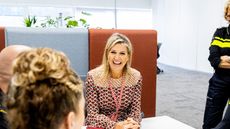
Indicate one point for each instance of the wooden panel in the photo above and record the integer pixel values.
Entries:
(2, 38)
(144, 59)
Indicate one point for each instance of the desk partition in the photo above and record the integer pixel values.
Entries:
(85, 47)
(73, 42)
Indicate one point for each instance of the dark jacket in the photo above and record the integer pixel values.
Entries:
(225, 123)
(3, 120)
(220, 46)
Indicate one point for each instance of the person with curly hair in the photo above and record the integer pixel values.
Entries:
(45, 92)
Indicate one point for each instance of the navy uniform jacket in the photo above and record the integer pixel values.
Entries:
(220, 46)
(3, 120)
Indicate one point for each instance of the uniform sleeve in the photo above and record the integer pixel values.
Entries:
(94, 119)
(214, 50)
(3, 120)
(136, 104)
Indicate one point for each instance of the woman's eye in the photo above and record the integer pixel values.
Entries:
(113, 52)
(122, 53)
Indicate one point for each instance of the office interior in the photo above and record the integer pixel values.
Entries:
(184, 27)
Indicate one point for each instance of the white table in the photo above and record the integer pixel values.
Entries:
(163, 122)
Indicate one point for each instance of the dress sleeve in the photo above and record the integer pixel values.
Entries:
(214, 50)
(94, 119)
(136, 104)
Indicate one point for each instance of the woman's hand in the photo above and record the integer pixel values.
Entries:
(129, 123)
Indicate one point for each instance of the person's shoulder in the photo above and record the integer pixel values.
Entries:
(95, 71)
(134, 77)
(220, 31)
(135, 73)
(221, 28)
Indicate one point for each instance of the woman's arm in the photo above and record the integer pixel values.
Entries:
(93, 118)
(214, 49)
(136, 104)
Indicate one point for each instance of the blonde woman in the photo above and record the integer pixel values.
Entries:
(47, 94)
(113, 90)
(219, 85)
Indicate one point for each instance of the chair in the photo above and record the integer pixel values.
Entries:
(158, 55)
(144, 60)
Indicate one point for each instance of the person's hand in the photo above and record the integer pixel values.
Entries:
(129, 123)
(132, 123)
(225, 62)
(225, 58)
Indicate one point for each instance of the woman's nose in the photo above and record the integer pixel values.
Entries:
(117, 56)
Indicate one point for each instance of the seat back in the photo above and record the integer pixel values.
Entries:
(144, 59)
(2, 38)
(73, 42)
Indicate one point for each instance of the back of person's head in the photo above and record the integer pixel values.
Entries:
(7, 55)
(47, 94)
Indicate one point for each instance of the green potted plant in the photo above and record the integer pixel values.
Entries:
(72, 22)
(29, 21)
(49, 22)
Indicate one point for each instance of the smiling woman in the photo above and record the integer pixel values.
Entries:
(113, 90)
(117, 59)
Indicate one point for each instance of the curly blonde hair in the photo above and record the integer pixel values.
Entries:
(227, 5)
(45, 89)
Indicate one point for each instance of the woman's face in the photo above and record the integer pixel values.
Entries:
(228, 15)
(118, 57)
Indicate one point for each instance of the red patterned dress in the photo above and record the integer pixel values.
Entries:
(101, 104)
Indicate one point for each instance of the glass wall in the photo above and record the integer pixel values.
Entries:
(105, 18)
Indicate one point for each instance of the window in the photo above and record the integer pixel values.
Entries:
(99, 18)
(134, 19)
(95, 17)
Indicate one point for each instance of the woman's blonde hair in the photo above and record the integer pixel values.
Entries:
(117, 38)
(45, 89)
(227, 5)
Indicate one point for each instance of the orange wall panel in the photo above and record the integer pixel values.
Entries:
(144, 59)
(2, 38)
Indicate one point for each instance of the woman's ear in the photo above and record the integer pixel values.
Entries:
(71, 121)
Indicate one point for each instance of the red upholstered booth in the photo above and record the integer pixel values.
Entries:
(144, 59)
(2, 38)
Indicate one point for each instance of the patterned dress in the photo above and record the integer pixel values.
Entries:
(101, 104)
